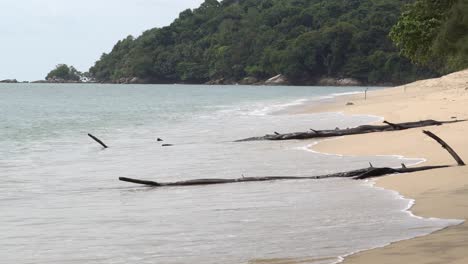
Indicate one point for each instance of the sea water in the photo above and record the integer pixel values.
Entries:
(61, 201)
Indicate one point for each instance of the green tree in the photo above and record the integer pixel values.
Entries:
(64, 72)
(434, 33)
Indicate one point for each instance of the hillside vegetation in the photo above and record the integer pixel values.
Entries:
(302, 39)
(434, 33)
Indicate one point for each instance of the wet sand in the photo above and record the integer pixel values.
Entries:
(438, 193)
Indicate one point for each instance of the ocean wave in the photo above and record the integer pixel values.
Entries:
(271, 108)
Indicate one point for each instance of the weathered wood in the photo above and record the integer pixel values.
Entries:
(360, 174)
(445, 146)
(379, 172)
(149, 183)
(351, 131)
(98, 141)
(395, 126)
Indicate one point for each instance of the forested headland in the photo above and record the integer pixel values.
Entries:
(233, 41)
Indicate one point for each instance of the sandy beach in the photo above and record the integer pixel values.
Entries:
(439, 193)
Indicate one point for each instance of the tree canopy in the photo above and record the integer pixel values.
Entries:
(434, 33)
(234, 39)
(64, 72)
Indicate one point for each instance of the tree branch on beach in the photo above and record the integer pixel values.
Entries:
(360, 174)
(365, 129)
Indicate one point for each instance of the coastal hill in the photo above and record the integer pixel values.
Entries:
(247, 41)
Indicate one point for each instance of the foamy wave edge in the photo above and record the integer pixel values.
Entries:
(279, 107)
(397, 195)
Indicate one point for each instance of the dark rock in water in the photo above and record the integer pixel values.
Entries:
(159, 140)
(9, 81)
(167, 145)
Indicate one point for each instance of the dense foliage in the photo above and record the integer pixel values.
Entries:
(64, 72)
(234, 39)
(434, 33)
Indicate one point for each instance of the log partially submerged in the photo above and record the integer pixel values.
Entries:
(351, 131)
(359, 174)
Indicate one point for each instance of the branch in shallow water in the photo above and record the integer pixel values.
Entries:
(98, 141)
(360, 174)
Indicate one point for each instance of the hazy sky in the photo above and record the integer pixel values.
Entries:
(35, 35)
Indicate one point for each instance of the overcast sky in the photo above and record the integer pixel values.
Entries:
(35, 35)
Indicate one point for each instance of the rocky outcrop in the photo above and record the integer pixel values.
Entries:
(249, 81)
(9, 81)
(277, 80)
(339, 82)
(60, 80)
(221, 81)
(131, 80)
(56, 80)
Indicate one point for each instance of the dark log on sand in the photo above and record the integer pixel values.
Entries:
(359, 174)
(351, 131)
(445, 146)
(98, 141)
(395, 126)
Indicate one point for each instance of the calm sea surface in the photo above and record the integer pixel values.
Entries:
(61, 201)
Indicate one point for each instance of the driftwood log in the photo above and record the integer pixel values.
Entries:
(452, 152)
(351, 131)
(359, 174)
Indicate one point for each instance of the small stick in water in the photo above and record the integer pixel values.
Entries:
(159, 140)
(98, 141)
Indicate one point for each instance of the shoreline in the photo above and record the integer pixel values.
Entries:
(373, 183)
(435, 196)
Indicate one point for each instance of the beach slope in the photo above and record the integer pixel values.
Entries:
(438, 193)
